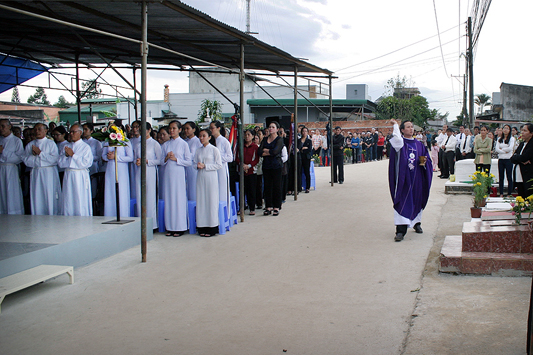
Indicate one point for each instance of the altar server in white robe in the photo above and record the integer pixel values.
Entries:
(190, 130)
(124, 157)
(176, 156)
(42, 156)
(76, 158)
(135, 138)
(60, 136)
(11, 152)
(224, 147)
(207, 162)
(163, 137)
(153, 160)
(96, 149)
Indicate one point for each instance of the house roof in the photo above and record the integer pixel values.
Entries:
(27, 32)
(304, 102)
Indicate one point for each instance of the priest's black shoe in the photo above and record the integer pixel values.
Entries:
(418, 228)
(398, 237)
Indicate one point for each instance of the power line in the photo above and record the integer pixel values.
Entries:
(399, 61)
(440, 42)
(394, 51)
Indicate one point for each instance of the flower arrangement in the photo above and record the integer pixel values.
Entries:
(520, 206)
(114, 136)
(482, 182)
(316, 159)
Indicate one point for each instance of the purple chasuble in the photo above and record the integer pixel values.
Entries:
(408, 181)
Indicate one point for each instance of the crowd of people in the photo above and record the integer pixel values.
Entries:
(49, 170)
(504, 143)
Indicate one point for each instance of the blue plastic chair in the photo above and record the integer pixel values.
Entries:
(133, 207)
(223, 220)
(192, 217)
(233, 212)
(161, 216)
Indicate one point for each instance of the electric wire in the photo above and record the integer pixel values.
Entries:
(394, 51)
(440, 42)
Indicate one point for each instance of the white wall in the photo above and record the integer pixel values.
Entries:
(154, 110)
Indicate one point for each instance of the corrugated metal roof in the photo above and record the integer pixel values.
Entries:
(171, 24)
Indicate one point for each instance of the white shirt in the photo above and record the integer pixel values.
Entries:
(465, 146)
(450, 143)
(505, 151)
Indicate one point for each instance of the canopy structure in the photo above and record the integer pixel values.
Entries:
(173, 27)
(15, 71)
(136, 34)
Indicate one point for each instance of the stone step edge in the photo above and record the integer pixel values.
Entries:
(453, 260)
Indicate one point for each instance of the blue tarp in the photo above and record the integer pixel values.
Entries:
(15, 71)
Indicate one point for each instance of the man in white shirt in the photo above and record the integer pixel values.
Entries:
(461, 136)
(448, 147)
(11, 152)
(440, 140)
(465, 147)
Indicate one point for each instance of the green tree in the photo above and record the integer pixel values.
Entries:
(62, 102)
(397, 83)
(90, 89)
(39, 97)
(481, 100)
(15, 95)
(215, 110)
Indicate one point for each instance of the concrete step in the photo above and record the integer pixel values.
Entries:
(454, 260)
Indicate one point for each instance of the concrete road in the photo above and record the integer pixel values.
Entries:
(324, 277)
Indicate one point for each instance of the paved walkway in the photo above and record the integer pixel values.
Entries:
(324, 277)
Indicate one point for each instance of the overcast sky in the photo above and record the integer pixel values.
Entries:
(354, 39)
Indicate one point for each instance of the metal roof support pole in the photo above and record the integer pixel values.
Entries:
(78, 98)
(241, 135)
(134, 95)
(330, 148)
(295, 133)
(144, 64)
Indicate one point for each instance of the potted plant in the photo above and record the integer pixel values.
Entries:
(479, 192)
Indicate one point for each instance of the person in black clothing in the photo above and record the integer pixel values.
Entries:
(295, 159)
(270, 149)
(338, 156)
(523, 158)
(306, 152)
(375, 138)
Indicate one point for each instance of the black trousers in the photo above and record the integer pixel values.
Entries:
(380, 152)
(441, 162)
(505, 167)
(338, 164)
(250, 190)
(284, 186)
(449, 163)
(306, 169)
(259, 191)
(272, 181)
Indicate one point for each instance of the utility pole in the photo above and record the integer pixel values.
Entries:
(248, 16)
(470, 57)
(248, 32)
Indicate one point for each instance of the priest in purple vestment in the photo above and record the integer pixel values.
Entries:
(410, 173)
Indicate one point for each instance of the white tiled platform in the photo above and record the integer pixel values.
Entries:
(463, 170)
(29, 241)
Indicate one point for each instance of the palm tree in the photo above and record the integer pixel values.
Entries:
(481, 100)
